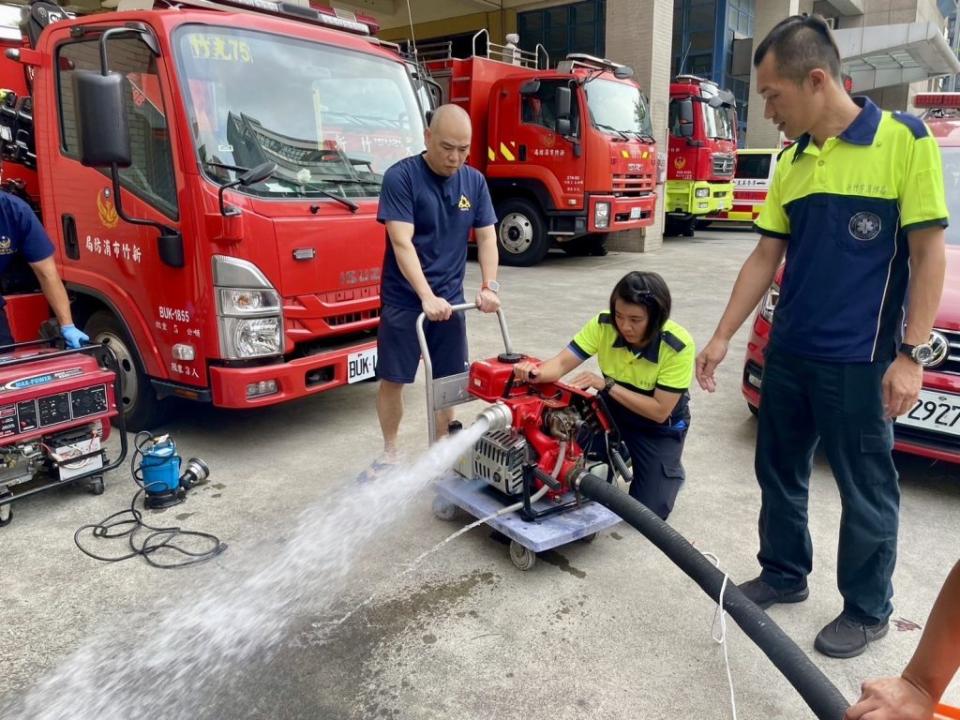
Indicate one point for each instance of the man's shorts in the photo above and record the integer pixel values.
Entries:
(398, 350)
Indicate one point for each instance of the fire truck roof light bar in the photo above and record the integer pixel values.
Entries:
(694, 79)
(937, 100)
(338, 21)
(591, 61)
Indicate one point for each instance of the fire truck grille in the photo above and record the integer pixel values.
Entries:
(354, 317)
(723, 165)
(627, 185)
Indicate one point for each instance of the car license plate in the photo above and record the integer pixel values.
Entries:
(362, 365)
(635, 213)
(935, 411)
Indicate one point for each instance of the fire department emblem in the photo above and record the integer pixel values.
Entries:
(865, 226)
(464, 204)
(6, 245)
(106, 210)
(679, 162)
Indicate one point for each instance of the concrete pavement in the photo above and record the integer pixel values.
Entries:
(607, 630)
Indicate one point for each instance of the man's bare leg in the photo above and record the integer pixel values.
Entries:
(390, 413)
(444, 418)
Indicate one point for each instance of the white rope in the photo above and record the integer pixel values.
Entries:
(720, 621)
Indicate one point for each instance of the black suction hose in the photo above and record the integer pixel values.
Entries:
(816, 690)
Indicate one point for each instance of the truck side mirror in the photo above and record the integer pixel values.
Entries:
(256, 174)
(563, 126)
(564, 99)
(624, 72)
(102, 129)
(686, 129)
(685, 126)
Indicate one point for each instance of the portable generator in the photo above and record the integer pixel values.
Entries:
(55, 413)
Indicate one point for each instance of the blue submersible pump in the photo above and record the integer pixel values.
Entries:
(159, 471)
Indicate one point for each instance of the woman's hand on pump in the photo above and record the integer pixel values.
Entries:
(586, 380)
(527, 371)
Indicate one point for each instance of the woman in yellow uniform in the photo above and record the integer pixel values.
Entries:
(646, 361)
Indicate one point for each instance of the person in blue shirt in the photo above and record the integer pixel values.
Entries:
(429, 204)
(21, 232)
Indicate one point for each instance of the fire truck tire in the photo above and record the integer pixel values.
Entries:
(6, 514)
(755, 411)
(521, 233)
(142, 409)
(687, 228)
(522, 557)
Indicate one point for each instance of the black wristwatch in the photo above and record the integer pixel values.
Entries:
(920, 354)
(608, 385)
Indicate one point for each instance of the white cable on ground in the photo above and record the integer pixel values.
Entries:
(720, 619)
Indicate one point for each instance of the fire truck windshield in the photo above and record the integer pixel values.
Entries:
(718, 122)
(951, 179)
(333, 120)
(618, 107)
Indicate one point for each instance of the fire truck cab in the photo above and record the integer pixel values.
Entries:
(209, 174)
(702, 153)
(568, 153)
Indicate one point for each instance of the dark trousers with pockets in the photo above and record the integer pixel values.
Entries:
(841, 405)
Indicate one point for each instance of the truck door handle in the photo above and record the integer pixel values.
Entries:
(70, 241)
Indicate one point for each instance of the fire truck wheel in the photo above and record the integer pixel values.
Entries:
(6, 514)
(754, 410)
(142, 409)
(522, 557)
(521, 233)
(688, 227)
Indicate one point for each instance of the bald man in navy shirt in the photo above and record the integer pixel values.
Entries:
(429, 204)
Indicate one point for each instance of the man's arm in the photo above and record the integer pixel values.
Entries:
(914, 694)
(928, 264)
(488, 257)
(753, 281)
(53, 289)
(401, 238)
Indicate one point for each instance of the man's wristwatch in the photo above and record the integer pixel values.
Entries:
(491, 285)
(608, 385)
(920, 354)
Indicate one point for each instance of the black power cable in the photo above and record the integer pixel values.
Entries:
(128, 523)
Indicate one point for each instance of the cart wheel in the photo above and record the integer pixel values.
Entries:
(95, 486)
(443, 509)
(522, 557)
(587, 539)
(6, 514)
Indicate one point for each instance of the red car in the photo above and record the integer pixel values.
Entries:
(932, 427)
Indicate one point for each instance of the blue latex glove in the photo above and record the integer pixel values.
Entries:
(74, 337)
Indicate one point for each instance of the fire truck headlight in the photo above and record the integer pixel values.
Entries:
(251, 337)
(702, 192)
(601, 215)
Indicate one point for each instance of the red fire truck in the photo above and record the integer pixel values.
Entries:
(568, 153)
(209, 174)
(702, 153)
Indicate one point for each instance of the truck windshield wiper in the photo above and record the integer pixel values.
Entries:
(621, 133)
(333, 196)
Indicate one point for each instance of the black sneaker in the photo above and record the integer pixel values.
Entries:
(764, 595)
(845, 637)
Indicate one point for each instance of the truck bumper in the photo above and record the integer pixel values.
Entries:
(294, 379)
(682, 199)
(625, 213)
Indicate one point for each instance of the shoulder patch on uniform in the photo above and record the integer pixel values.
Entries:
(605, 319)
(915, 124)
(673, 341)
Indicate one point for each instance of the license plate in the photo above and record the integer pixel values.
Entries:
(362, 365)
(934, 411)
(635, 213)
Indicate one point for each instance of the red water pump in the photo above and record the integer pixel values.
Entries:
(544, 443)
